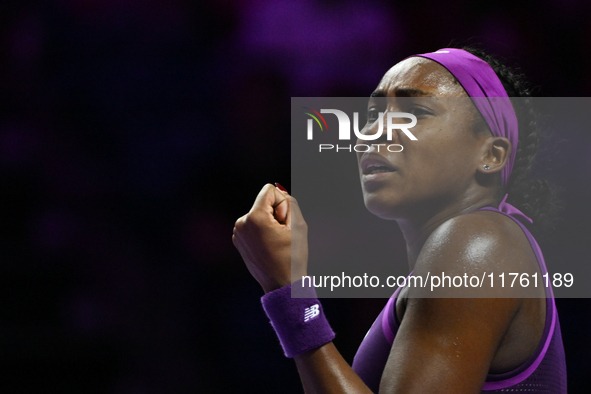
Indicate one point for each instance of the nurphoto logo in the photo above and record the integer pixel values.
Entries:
(345, 129)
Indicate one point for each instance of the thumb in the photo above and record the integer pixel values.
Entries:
(288, 207)
(282, 203)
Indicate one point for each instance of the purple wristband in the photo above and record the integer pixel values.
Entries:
(299, 323)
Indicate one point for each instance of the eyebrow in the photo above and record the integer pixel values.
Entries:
(403, 92)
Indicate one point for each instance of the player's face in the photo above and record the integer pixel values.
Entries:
(439, 167)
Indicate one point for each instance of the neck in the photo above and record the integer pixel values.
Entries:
(417, 230)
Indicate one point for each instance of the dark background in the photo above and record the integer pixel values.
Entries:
(134, 133)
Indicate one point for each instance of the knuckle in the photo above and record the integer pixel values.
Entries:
(268, 187)
(239, 223)
(251, 220)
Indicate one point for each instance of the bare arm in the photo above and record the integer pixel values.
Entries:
(324, 371)
(272, 239)
(443, 345)
(447, 345)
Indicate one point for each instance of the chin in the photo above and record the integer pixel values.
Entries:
(382, 209)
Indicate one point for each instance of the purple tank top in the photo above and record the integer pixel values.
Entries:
(543, 372)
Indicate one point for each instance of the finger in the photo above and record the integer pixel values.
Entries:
(282, 208)
(266, 199)
(272, 202)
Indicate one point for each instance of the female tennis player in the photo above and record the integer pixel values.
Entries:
(462, 203)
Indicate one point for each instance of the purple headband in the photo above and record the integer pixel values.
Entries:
(479, 80)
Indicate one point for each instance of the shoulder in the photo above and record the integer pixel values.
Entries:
(485, 228)
(479, 243)
(475, 238)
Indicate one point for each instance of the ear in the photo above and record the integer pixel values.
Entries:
(495, 155)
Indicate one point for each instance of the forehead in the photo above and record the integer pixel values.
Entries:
(417, 73)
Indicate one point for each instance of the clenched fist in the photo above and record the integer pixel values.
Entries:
(273, 239)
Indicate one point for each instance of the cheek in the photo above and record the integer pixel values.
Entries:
(430, 151)
(441, 157)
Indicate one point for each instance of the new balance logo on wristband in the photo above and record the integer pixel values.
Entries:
(311, 312)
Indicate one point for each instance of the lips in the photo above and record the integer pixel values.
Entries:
(375, 164)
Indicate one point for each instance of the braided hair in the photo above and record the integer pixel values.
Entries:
(533, 196)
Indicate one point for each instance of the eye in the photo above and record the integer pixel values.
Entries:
(373, 114)
(418, 111)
